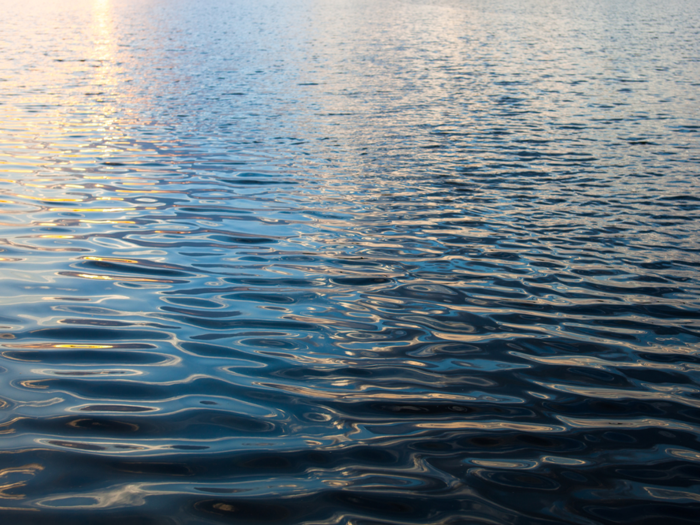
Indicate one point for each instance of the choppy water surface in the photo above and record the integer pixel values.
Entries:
(334, 262)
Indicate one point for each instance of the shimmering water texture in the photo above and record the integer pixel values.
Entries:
(349, 262)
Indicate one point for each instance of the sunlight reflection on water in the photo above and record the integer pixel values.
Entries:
(324, 261)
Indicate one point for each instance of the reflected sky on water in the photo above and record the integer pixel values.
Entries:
(336, 262)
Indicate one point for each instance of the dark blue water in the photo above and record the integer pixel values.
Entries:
(346, 262)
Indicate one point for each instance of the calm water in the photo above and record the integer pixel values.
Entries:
(350, 262)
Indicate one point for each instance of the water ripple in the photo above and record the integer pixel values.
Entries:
(331, 262)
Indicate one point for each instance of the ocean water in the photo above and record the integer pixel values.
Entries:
(350, 262)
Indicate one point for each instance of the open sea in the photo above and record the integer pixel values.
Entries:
(350, 262)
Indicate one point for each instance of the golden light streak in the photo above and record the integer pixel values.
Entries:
(46, 199)
(82, 346)
(121, 278)
(93, 210)
(103, 221)
(111, 259)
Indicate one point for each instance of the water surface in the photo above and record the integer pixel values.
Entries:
(349, 262)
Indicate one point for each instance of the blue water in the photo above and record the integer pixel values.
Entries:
(343, 262)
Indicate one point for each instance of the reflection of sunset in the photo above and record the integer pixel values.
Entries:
(103, 55)
(102, 25)
(343, 261)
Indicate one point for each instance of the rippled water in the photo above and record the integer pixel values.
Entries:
(350, 262)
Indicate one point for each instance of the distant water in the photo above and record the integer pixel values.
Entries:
(350, 262)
